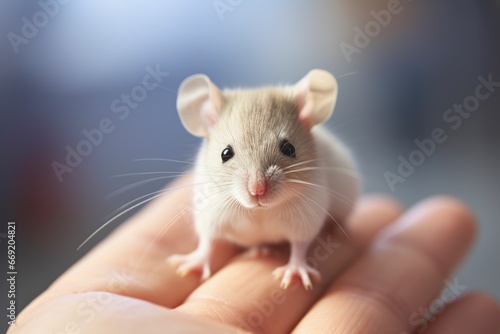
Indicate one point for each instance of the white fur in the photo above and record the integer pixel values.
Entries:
(298, 219)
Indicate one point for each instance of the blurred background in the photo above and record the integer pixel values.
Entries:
(69, 68)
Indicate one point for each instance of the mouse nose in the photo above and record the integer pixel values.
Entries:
(257, 188)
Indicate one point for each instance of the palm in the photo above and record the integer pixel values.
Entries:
(393, 265)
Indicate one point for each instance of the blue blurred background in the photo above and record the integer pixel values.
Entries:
(63, 70)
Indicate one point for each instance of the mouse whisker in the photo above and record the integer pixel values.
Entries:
(166, 172)
(189, 207)
(234, 212)
(116, 217)
(165, 228)
(345, 198)
(163, 159)
(159, 235)
(116, 214)
(326, 211)
(225, 206)
(140, 183)
(135, 185)
(176, 218)
(151, 173)
(308, 206)
(300, 163)
(156, 195)
(346, 75)
(216, 188)
(325, 168)
(135, 200)
(230, 206)
(156, 192)
(345, 171)
(304, 221)
(173, 160)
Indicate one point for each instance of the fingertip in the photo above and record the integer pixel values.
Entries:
(442, 216)
(484, 306)
(460, 215)
(474, 312)
(450, 217)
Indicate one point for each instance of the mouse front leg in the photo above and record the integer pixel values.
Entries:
(196, 261)
(297, 266)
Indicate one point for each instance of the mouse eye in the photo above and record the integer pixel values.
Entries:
(287, 148)
(227, 153)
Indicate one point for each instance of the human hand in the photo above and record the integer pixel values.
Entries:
(395, 265)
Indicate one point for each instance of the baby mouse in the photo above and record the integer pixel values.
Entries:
(266, 172)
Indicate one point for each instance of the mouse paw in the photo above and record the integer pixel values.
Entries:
(188, 263)
(287, 272)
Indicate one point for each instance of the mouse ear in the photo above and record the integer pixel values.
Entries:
(199, 103)
(317, 95)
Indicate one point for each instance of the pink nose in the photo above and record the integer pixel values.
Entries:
(257, 188)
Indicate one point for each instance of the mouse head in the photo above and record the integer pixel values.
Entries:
(258, 143)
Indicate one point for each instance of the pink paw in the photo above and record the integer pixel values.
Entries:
(188, 263)
(287, 272)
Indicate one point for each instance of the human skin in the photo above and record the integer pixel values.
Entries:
(395, 263)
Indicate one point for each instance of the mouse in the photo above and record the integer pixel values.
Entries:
(267, 170)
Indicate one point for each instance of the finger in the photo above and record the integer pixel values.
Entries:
(100, 312)
(474, 313)
(402, 271)
(132, 260)
(243, 293)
